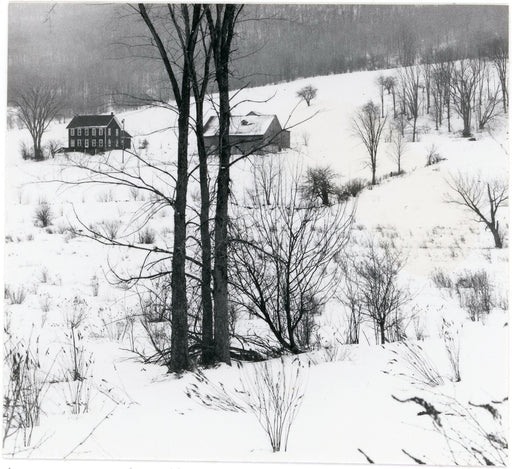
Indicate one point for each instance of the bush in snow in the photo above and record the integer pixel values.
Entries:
(271, 391)
(416, 365)
(17, 295)
(450, 336)
(433, 156)
(43, 215)
(441, 280)
(319, 184)
(108, 229)
(146, 236)
(26, 152)
(474, 290)
(25, 385)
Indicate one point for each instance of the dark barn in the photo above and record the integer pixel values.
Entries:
(253, 133)
(97, 133)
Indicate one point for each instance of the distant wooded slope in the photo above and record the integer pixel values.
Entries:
(94, 51)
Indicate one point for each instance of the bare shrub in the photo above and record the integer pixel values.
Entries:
(134, 193)
(155, 301)
(25, 385)
(45, 303)
(441, 280)
(418, 367)
(53, 146)
(44, 276)
(272, 392)
(319, 184)
(27, 153)
(109, 228)
(382, 297)
(433, 156)
(16, 295)
(95, 285)
(146, 236)
(354, 186)
(76, 360)
(106, 196)
(276, 251)
(43, 215)
(450, 336)
(474, 290)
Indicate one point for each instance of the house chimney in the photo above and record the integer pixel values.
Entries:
(111, 113)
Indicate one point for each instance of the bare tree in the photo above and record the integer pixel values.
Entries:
(222, 21)
(284, 259)
(410, 87)
(398, 149)
(381, 82)
(463, 86)
(308, 93)
(483, 199)
(499, 57)
(350, 297)
(368, 126)
(382, 297)
(37, 105)
(390, 85)
(319, 184)
(487, 98)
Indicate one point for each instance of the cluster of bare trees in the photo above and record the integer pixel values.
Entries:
(371, 292)
(473, 88)
(285, 252)
(194, 45)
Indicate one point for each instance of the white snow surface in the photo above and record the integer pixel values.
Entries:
(348, 402)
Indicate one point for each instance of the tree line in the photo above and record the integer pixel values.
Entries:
(90, 54)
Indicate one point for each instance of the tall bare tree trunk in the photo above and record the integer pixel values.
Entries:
(188, 35)
(221, 33)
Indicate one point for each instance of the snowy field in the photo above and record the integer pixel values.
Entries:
(130, 410)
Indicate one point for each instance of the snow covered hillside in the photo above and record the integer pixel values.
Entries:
(356, 401)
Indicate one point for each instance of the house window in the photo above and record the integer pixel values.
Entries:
(93, 142)
(109, 142)
(79, 132)
(117, 132)
(86, 143)
(72, 143)
(79, 143)
(117, 142)
(72, 132)
(94, 131)
(86, 132)
(109, 131)
(100, 142)
(100, 131)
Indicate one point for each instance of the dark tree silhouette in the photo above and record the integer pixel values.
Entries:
(308, 93)
(368, 126)
(37, 105)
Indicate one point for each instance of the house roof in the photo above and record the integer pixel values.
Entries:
(97, 120)
(252, 124)
(124, 133)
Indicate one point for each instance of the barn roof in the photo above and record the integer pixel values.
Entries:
(97, 120)
(252, 124)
